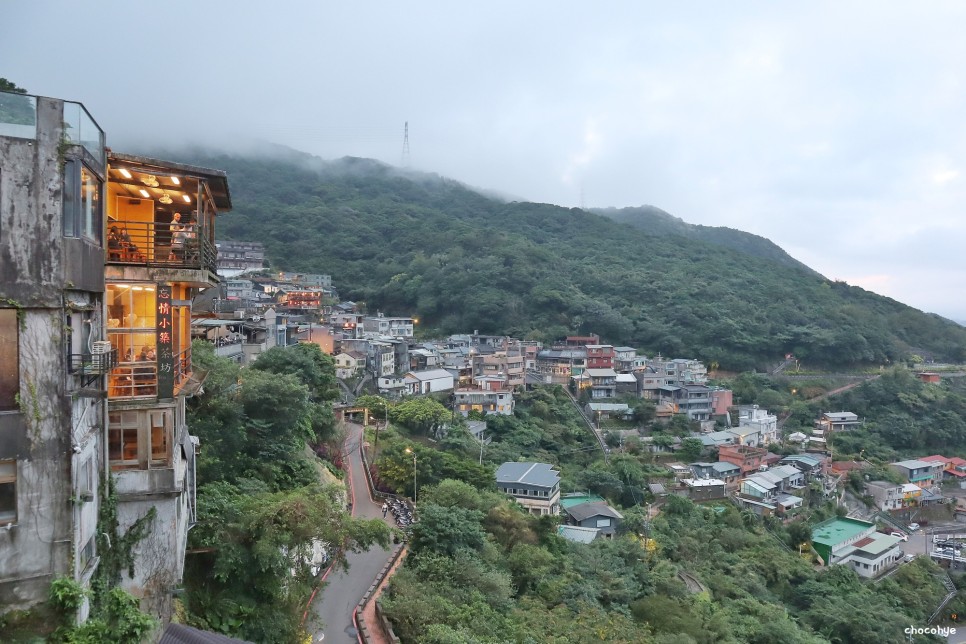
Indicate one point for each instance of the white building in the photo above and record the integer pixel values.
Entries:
(424, 382)
(759, 419)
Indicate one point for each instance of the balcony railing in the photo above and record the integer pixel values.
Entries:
(93, 364)
(139, 379)
(152, 244)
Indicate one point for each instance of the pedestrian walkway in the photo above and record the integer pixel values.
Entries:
(333, 605)
(376, 634)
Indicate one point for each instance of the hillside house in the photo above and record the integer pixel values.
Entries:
(721, 401)
(626, 383)
(954, 469)
(600, 356)
(703, 489)
(595, 515)
(422, 359)
(606, 411)
(691, 400)
(625, 359)
(396, 327)
(602, 383)
(727, 472)
(535, 486)
(424, 382)
(759, 419)
(561, 364)
(892, 496)
(349, 364)
(837, 421)
(487, 402)
(808, 464)
(922, 473)
(748, 459)
(855, 543)
(509, 366)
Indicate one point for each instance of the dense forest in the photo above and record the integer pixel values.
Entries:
(423, 245)
(260, 501)
(481, 569)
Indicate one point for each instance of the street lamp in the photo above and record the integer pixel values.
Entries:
(409, 451)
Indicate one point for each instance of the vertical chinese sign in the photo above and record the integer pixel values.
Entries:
(165, 342)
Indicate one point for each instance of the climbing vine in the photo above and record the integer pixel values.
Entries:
(115, 616)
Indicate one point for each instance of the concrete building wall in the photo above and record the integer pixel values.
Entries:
(55, 435)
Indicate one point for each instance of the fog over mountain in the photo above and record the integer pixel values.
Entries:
(828, 128)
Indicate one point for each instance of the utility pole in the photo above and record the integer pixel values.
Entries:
(481, 448)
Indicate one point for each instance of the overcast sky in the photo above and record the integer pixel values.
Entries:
(835, 129)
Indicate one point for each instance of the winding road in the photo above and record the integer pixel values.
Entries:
(332, 607)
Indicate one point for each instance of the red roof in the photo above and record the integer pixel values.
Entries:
(863, 542)
(935, 458)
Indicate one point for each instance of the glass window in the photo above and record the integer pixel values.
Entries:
(8, 492)
(87, 553)
(133, 433)
(9, 359)
(122, 439)
(71, 194)
(160, 437)
(90, 205)
(82, 202)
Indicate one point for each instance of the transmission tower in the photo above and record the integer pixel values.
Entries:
(405, 150)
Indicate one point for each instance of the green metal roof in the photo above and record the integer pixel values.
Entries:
(570, 500)
(835, 531)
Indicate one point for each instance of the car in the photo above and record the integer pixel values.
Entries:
(913, 527)
(909, 558)
(902, 537)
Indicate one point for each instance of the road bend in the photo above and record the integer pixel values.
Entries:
(331, 608)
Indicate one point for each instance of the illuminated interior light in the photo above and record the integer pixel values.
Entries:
(145, 194)
(186, 198)
(176, 180)
(125, 173)
(137, 288)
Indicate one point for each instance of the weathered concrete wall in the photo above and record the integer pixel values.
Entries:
(38, 547)
(31, 184)
(54, 434)
(159, 557)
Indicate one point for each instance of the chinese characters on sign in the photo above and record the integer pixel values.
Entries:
(164, 342)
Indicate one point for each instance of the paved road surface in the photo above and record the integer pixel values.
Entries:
(344, 589)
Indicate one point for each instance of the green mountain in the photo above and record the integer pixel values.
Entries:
(419, 244)
(654, 221)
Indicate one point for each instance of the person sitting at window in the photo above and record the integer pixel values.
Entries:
(115, 244)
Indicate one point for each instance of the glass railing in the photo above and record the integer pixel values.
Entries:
(18, 118)
(80, 129)
(18, 115)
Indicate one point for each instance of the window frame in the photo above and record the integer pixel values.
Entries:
(9, 364)
(75, 222)
(9, 517)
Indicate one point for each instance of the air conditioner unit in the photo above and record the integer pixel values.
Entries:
(101, 355)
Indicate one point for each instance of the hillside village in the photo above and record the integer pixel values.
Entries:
(481, 373)
(97, 444)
